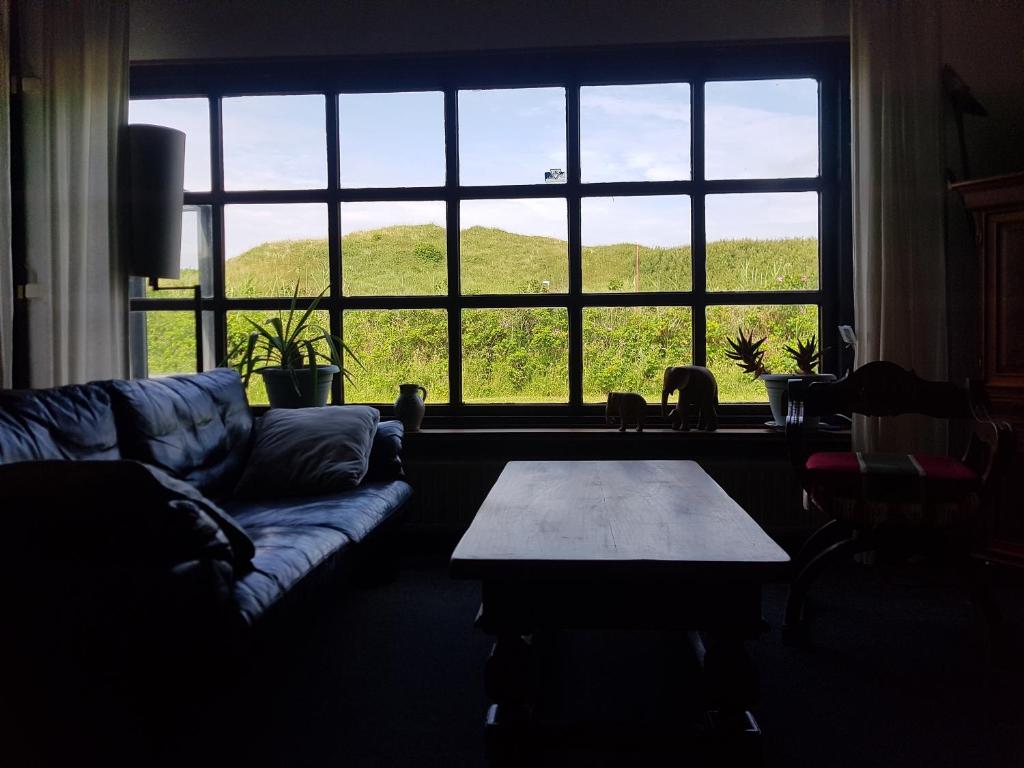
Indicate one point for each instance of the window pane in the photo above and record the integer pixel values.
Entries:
(239, 328)
(626, 349)
(170, 342)
(636, 243)
(396, 347)
(392, 139)
(635, 132)
(514, 246)
(511, 136)
(781, 324)
(515, 355)
(275, 142)
(761, 129)
(762, 242)
(271, 247)
(192, 116)
(394, 249)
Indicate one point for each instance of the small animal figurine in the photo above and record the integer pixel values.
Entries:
(628, 408)
(697, 387)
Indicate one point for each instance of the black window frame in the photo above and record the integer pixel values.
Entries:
(826, 62)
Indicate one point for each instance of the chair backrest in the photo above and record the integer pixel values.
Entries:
(885, 389)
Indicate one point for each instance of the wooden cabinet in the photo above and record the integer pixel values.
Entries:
(997, 205)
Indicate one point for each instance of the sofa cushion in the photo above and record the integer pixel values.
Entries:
(285, 556)
(354, 513)
(306, 451)
(195, 427)
(386, 452)
(75, 422)
(302, 539)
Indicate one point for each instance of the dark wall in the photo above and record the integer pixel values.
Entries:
(200, 29)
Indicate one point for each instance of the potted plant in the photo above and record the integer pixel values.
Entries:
(284, 350)
(749, 356)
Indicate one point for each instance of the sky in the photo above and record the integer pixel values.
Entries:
(753, 129)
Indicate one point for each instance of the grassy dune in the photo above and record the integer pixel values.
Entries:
(518, 355)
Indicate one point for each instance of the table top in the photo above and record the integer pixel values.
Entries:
(592, 519)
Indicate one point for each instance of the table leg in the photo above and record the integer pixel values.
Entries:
(509, 681)
(732, 688)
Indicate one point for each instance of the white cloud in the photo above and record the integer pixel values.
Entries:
(635, 132)
(357, 217)
(246, 226)
(745, 143)
(275, 142)
(630, 106)
(534, 216)
(660, 220)
(192, 116)
(768, 215)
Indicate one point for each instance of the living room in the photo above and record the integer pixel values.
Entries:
(499, 213)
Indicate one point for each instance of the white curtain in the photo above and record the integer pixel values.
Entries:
(78, 50)
(898, 196)
(6, 267)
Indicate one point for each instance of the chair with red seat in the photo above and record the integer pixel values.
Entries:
(877, 498)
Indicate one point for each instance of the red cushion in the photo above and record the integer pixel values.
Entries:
(890, 477)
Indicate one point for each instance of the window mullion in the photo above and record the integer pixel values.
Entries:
(698, 240)
(451, 148)
(334, 256)
(220, 318)
(575, 319)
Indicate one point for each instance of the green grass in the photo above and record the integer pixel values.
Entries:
(518, 355)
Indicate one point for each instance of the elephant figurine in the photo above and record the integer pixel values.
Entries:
(627, 407)
(697, 387)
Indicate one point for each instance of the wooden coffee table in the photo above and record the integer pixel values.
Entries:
(619, 545)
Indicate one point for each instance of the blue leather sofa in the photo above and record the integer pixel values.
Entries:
(198, 429)
(146, 607)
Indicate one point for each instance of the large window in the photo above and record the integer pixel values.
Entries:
(518, 234)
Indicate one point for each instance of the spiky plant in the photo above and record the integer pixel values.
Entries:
(748, 353)
(806, 355)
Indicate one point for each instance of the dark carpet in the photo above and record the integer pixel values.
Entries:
(897, 675)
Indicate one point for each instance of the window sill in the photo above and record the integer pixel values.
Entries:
(511, 443)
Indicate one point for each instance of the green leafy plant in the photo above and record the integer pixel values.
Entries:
(290, 342)
(428, 252)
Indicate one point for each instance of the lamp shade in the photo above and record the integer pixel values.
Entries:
(156, 178)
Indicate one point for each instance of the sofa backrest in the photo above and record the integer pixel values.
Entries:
(74, 422)
(195, 427)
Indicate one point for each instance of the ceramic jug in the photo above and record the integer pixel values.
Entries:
(409, 406)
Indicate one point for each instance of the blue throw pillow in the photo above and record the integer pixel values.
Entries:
(309, 451)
